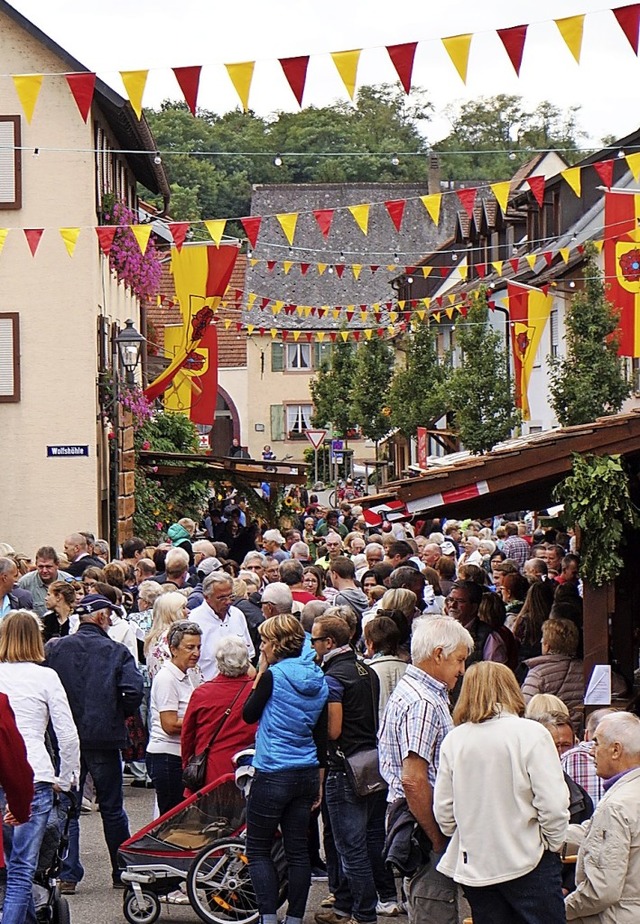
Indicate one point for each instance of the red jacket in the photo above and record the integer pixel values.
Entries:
(16, 775)
(206, 707)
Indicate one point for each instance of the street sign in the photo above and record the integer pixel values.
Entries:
(62, 452)
(316, 437)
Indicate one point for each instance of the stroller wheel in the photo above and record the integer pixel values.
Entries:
(145, 910)
(219, 886)
(61, 913)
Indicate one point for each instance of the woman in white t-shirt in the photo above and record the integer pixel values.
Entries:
(171, 691)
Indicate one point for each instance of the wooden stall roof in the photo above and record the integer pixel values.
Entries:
(250, 470)
(517, 475)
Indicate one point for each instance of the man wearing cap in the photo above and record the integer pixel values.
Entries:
(273, 543)
(206, 567)
(103, 686)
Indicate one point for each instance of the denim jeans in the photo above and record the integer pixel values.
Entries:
(166, 772)
(356, 894)
(282, 798)
(532, 899)
(105, 768)
(22, 847)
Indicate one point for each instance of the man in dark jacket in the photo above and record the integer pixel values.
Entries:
(103, 686)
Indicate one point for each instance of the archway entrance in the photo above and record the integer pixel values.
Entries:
(226, 424)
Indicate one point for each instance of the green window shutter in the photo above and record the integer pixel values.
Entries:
(277, 359)
(277, 421)
(321, 354)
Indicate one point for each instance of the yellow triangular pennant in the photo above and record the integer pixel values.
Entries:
(564, 253)
(70, 237)
(401, 303)
(449, 312)
(426, 271)
(307, 310)
(573, 178)
(254, 261)
(142, 233)
(451, 298)
(497, 265)
(286, 266)
(320, 336)
(432, 204)
(346, 63)
(393, 316)
(356, 269)
(531, 260)
(361, 216)
(464, 271)
(277, 307)
(336, 313)
(458, 48)
(321, 267)
(251, 300)
(571, 28)
(633, 163)
(250, 328)
(28, 88)
(421, 314)
(134, 83)
(4, 232)
(345, 335)
(501, 192)
(299, 310)
(273, 331)
(368, 333)
(363, 316)
(241, 76)
(227, 323)
(426, 302)
(296, 335)
(216, 229)
(598, 245)
(288, 222)
(391, 330)
(436, 317)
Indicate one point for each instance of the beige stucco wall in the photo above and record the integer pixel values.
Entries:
(58, 299)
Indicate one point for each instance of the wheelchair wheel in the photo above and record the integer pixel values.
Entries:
(219, 886)
(143, 911)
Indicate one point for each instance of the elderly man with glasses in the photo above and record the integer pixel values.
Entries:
(218, 618)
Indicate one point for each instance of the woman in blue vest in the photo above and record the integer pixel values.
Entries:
(289, 703)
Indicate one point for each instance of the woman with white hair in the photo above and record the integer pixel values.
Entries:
(167, 609)
(207, 711)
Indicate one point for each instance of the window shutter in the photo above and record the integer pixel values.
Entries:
(10, 163)
(277, 361)
(277, 420)
(9, 357)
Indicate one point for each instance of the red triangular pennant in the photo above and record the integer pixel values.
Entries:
(356, 335)
(271, 265)
(238, 326)
(106, 234)
(395, 208)
(33, 236)
(444, 271)
(285, 334)
(545, 288)
(629, 19)
(467, 199)
(339, 269)
(514, 264)
(252, 229)
(481, 270)
(262, 330)
(322, 312)
(264, 302)
(82, 87)
(333, 335)
(548, 256)
(309, 336)
(179, 231)
(536, 185)
(604, 169)
(189, 80)
(304, 267)
(380, 332)
(349, 315)
(513, 40)
(402, 57)
(295, 70)
(324, 217)
(374, 267)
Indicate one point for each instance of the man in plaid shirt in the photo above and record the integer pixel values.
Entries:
(414, 724)
(578, 763)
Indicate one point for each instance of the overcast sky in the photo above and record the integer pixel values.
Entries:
(159, 34)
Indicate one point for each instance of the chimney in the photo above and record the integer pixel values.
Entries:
(434, 173)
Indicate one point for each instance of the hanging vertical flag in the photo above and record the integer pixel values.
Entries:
(194, 388)
(529, 311)
(189, 81)
(513, 40)
(241, 76)
(346, 63)
(622, 266)
(458, 48)
(628, 18)
(571, 29)
(402, 58)
(28, 89)
(70, 237)
(295, 70)
(82, 87)
(134, 84)
(361, 216)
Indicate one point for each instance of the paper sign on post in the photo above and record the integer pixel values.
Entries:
(599, 686)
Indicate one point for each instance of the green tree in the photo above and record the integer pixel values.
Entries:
(331, 388)
(416, 396)
(479, 393)
(369, 393)
(492, 136)
(589, 381)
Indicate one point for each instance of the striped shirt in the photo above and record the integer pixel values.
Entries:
(416, 719)
(578, 763)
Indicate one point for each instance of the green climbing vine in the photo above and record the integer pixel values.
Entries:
(596, 499)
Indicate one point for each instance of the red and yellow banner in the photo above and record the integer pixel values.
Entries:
(622, 265)
(529, 311)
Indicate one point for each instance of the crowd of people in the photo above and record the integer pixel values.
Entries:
(414, 694)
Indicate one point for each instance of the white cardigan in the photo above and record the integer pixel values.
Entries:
(501, 796)
(36, 695)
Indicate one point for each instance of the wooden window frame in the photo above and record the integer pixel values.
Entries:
(14, 317)
(16, 203)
